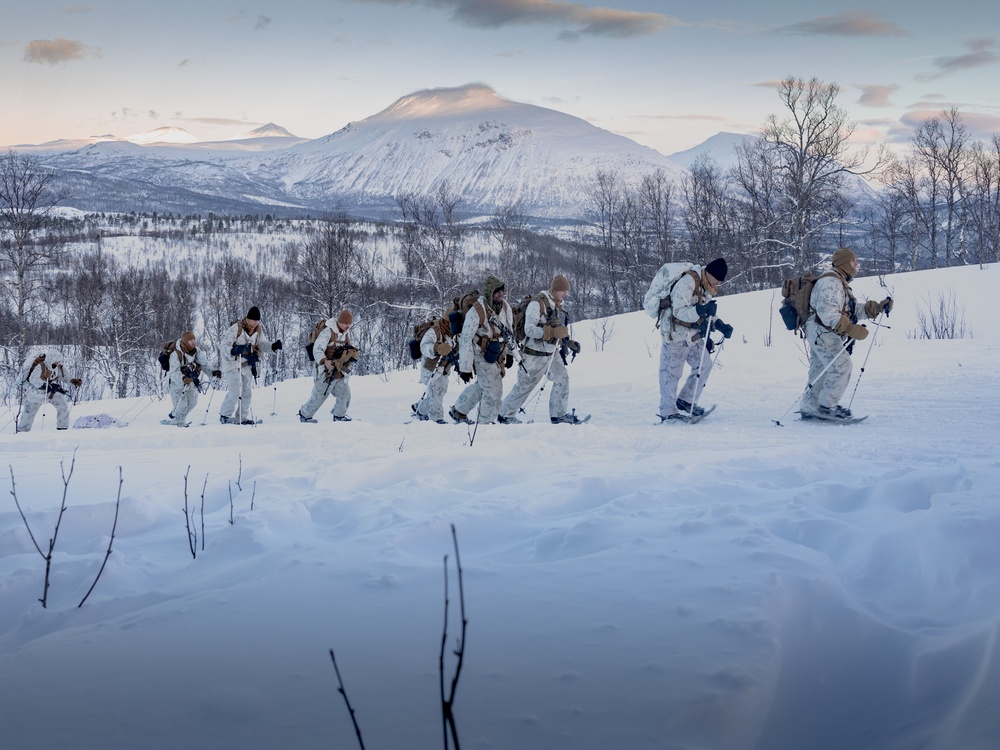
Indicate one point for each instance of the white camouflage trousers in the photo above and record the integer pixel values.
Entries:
(486, 390)
(672, 359)
(322, 389)
(239, 385)
(825, 346)
(184, 398)
(33, 400)
(529, 375)
(431, 404)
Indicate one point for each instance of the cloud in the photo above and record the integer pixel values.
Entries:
(184, 63)
(980, 53)
(980, 125)
(53, 51)
(575, 19)
(692, 118)
(216, 121)
(852, 23)
(876, 95)
(262, 23)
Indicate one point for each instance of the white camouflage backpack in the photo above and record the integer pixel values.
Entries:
(663, 284)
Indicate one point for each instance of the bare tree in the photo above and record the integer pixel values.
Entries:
(26, 195)
(809, 151)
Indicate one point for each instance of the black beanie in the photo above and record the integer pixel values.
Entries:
(254, 313)
(718, 269)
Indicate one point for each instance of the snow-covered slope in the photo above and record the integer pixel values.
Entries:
(732, 584)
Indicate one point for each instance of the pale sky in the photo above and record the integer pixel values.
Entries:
(666, 73)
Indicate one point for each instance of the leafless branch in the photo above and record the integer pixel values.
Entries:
(111, 541)
(448, 699)
(192, 534)
(343, 692)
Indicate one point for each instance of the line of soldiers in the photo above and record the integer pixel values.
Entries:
(476, 337)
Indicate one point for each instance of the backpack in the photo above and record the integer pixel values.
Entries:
(314, 334)
(164, 356)
(795, 292)
(456, 315)
(662, 286)
(418, 333)
(521, 308)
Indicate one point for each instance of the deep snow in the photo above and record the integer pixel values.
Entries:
(733, 584)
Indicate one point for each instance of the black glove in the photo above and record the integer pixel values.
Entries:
(707, 310)
(723, 328)
(216, 373)
(709, 345)
(574, 346)
(239, 350)
(465, 376)
(508, 361)
(703, 329)
(276, 345)
(887, 306)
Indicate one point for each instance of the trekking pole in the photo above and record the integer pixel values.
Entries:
(701, 363)
(715, 358)
(274, 402)
(813, 382)
(878, 325)
(211, 395)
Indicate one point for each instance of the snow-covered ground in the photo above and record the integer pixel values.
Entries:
(732, 584)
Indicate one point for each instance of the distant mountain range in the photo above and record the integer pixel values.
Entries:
(491, 151)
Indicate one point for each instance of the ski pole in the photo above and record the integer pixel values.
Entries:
(701, 363)
(715, 358)
(211, 395)
(809, 386)
(878, 325)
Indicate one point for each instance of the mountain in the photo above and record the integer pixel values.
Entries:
(491, 151)
(167, 134)
(721, 148)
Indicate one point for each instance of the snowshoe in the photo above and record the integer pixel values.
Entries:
(685, 406)
(344, 418)
(508, 420)
(569, 418)
(303, 418)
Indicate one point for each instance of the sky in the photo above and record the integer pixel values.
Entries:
(666, 74)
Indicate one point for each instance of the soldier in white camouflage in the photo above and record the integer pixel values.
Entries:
(486, 353)
(831, 330)
(335, 355)
(545, 329)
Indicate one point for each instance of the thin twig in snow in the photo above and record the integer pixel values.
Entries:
(111, 541)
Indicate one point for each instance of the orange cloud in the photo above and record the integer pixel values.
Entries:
(53, 51)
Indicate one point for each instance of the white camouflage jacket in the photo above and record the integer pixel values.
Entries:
(331, 334)
(180, 358)
(237, 334)
(535, 320)
(473, 332)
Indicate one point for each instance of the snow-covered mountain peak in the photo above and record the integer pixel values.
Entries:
(166, 134)
(269, 131)
(466, 100)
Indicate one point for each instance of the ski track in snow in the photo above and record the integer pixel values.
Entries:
(731, 584)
